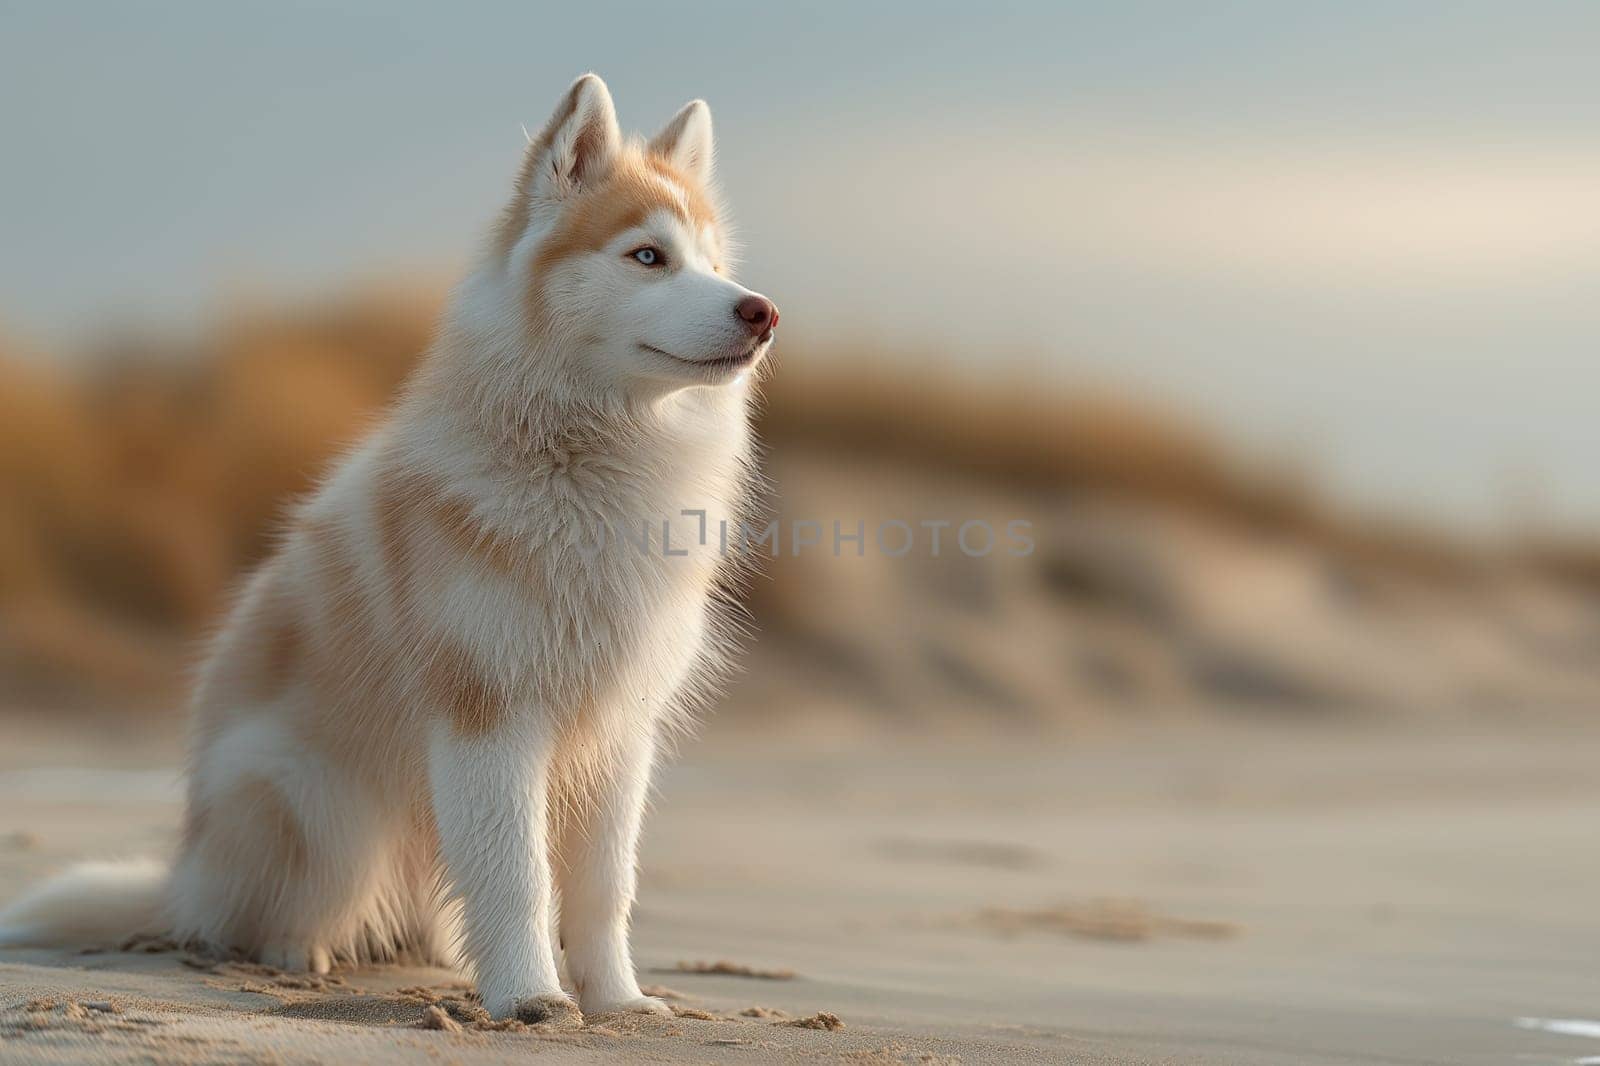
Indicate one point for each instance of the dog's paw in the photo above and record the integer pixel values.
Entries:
(295, 958)
(552, 1009)
(636, 1005)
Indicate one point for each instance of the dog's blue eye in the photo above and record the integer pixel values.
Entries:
(650, 257)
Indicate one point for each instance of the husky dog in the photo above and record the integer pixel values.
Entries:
(433, 712)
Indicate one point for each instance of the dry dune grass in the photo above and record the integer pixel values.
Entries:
(141, 483)
(1009, 430)
(1078, 441)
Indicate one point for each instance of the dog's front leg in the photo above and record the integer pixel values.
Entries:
(598, 859)
(490, 800)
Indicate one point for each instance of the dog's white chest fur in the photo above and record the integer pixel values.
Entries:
(624, 540)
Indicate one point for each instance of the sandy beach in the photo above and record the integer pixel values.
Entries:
(1245, 893)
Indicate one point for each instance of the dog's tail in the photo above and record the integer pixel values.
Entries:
(90, 904)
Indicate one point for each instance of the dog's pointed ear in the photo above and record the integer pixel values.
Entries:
(578, 146)
(686, 142)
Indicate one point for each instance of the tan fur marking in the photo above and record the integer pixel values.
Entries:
(403, 495)
(456, 685)
(621, 185)
(702, 212)
(514, 220)
(640, 185)
(456, 520)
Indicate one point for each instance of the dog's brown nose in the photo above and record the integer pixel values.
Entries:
(758, 313)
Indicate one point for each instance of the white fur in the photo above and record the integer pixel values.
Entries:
(337, 806)
(687, 141)
(499, 856)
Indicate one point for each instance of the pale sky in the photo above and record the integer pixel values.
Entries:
(1365, 233)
